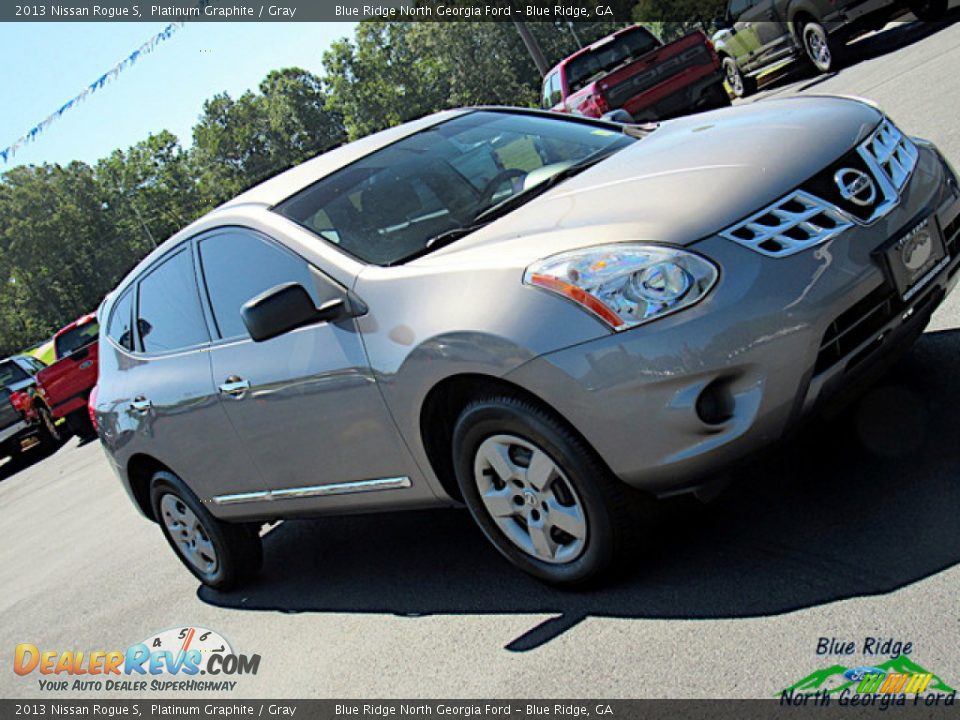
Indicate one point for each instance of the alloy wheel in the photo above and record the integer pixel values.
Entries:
(734, 79)
(188, 533)
(530, 499)
(818, 48)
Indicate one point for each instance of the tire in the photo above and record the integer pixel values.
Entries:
(50, 436)
(582, 515)
(741, 85)
(929, 10)
(78, 423)
(224, 556)
(823, 51)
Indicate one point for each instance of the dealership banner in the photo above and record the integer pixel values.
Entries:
(339, 10)
(7, 153)
(458, 709)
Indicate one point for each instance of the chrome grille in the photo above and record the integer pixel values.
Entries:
(890, 154)
(803, 219)
(791, 225)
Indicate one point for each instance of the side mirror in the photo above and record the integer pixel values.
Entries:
(284, 308)
(722, 23)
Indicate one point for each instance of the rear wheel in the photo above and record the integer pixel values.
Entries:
(538, 494)
(740, 84)
(823, 51)
(221, 555)
(929, 9)
(49, 434)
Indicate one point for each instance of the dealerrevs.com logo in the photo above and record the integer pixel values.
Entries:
(172, 660)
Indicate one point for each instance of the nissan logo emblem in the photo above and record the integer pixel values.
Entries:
(856, 186)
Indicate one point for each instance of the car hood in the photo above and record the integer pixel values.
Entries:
(688, 180)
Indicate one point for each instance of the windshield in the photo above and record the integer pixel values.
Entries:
(604, 57)
(392, 203)
(11, 373)
(76, 338)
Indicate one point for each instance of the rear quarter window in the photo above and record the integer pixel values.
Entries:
(119, 329)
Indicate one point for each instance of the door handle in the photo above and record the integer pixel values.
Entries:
(234, 386)
(140, 404)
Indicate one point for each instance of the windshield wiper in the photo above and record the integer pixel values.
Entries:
(447, 237)
(492, 213)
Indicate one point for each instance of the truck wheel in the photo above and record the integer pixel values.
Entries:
(740, 84)
(539, 495)
(49, 434)
(221, 555)
(823, 51)
(78, 423)
(929, 10)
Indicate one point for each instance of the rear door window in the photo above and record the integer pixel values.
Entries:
(169, 316)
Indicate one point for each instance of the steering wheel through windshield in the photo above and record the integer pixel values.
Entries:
(490, 189)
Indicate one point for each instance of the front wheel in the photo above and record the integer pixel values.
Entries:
(740, 84)
(823, 51)
(221, 555)
(538, 494)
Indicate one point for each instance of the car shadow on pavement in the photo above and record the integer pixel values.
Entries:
(873, 46)
(26, 460)
(859, 505)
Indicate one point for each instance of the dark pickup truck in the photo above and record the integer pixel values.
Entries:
(25, 422)
(631, 76)
(757, 35)
(66, 384)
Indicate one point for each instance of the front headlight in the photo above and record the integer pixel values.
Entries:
(626, 284)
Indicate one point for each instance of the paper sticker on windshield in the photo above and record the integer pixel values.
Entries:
(602, 132)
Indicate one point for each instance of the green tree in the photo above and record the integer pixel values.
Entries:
(381, 79)
(238, 143)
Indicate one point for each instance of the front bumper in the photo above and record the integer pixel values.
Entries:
(668, 405)
(14, 430)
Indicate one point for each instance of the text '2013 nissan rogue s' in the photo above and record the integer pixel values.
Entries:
(541, 317)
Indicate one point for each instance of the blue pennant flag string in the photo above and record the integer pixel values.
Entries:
(8, 152)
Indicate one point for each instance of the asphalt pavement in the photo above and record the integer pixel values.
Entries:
(848, 531)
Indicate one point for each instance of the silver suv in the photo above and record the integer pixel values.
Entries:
(548, 319)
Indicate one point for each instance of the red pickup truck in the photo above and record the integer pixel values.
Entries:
(631, 76)
(66, 384)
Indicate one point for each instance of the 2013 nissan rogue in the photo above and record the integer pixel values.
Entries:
(541, 317)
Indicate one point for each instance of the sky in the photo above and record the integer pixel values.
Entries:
(46, 64)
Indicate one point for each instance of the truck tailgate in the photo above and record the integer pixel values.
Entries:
(67, 382)
(689, 56)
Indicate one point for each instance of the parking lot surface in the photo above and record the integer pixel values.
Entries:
(848, 531)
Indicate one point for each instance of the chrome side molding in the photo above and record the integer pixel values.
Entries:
(357, 486)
